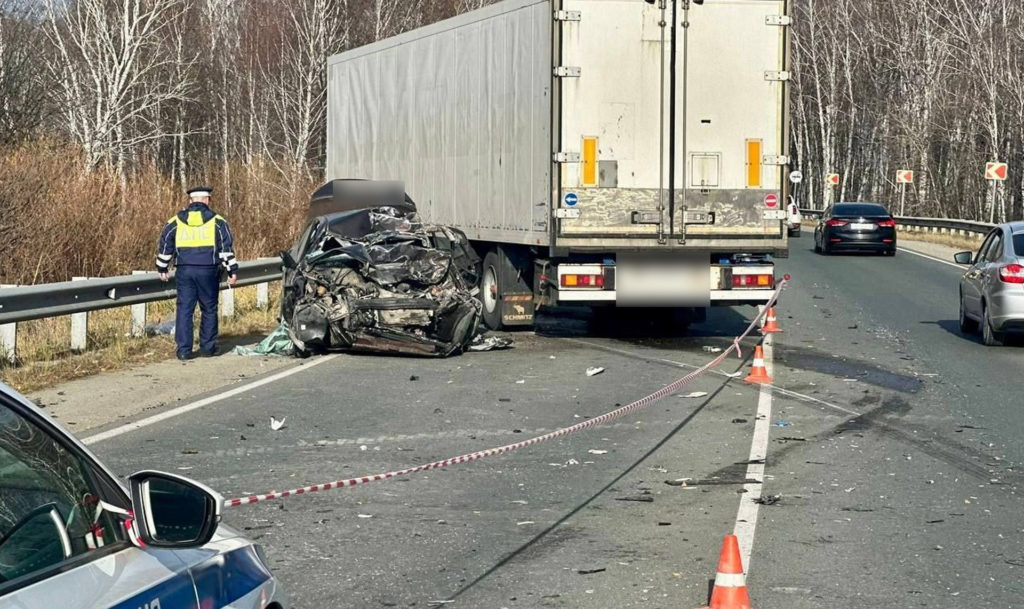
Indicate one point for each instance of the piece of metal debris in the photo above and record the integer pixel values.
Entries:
(275, 424)
(591, 571)
(695, 394)
(594, 371)
(768, 499)
(490, 342)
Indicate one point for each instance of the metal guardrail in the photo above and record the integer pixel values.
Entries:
(939, 224)
(69, 297)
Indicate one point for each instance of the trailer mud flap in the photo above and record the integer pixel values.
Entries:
(517, 303)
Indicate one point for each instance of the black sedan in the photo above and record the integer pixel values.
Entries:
(856, 226)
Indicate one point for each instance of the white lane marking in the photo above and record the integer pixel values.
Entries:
(961, 267)
(163, 416)
(746, 515)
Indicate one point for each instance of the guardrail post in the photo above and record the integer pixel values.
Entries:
(227, 303)
(262, 295)
(9, 338)
(139, 314)
(79, 327)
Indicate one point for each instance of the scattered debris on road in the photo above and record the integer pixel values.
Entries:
(594, 371)
(490, 342)
(695, 394)
(710, 349)
(275, 424)
(639, 498)
(591, 571)
(739, 420)
(596, 451)
(768, 499)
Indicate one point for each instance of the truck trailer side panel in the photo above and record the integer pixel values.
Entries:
(459, 111)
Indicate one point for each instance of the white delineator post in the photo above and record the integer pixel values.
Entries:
(139, 314)
(263, 295)
(79, 327)
(9, 338)
(227, 303)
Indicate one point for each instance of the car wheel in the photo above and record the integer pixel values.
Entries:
(490, 291)
(990, 337)
(967, 325)
(817, 248)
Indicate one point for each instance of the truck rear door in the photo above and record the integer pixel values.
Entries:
(616, 118)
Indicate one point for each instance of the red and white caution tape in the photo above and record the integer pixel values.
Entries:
(490, 452)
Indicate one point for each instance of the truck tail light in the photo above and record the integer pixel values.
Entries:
(1011, 273)
(753, 281)
(582, 281)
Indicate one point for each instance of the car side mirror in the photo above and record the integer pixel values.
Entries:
(288, 260)
(172, 511)
(964, 257)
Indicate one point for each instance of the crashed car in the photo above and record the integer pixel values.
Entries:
(377, 279)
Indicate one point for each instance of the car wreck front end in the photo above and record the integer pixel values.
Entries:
(379, 280)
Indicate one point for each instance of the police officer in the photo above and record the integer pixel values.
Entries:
(199, 242)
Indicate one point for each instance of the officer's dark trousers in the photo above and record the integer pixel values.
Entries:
(197, 284)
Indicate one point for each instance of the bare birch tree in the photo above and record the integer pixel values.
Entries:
(109, 71)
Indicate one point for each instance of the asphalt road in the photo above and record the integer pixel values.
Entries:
(893, 446)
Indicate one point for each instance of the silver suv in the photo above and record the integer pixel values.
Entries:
(992, 290)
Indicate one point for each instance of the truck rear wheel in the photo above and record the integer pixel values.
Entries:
(490, 290)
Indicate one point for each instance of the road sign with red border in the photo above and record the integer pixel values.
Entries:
(904, 176)
(832, 179)
(996, 171)
(771, 200)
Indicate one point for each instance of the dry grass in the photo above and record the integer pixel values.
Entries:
(44, 345)
(58, 219)
(955, 241)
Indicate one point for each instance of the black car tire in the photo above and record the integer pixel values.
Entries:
(967, 325)
(490, 278)
(990, 337)
(817, 248)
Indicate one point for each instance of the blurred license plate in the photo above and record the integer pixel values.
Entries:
(862, 226)
(644, 280)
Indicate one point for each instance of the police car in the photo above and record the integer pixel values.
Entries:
(73, 537)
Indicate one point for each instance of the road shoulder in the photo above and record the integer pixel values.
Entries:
(99, 400)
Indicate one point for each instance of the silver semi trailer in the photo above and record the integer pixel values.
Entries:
(602, 152)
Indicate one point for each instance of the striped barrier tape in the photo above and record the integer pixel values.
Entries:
(565, 431)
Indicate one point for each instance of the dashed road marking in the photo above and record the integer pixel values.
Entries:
(180, 410)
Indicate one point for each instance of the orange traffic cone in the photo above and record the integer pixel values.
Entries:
(730, 591)
(771, 324)
(759, 374)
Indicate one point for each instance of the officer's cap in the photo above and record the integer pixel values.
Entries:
(199, 191)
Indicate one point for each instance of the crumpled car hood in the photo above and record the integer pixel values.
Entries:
(379, 280)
